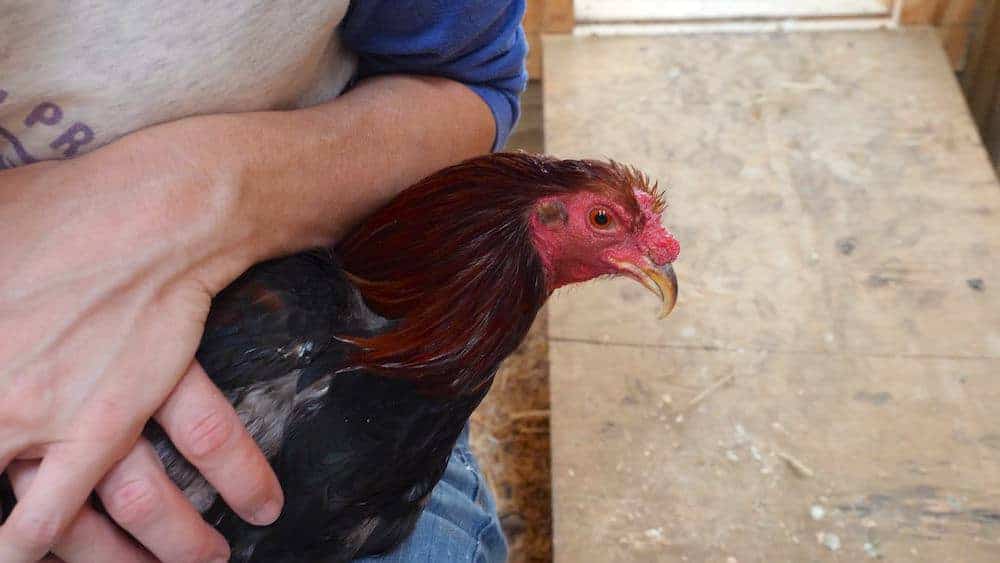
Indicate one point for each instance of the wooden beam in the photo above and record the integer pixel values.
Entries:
(937, 12)
(955, 40)
(922, 12)
(541, 17)
(981, 79)
(559, 16)
(532, 23)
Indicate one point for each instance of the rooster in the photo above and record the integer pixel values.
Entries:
(356, 368)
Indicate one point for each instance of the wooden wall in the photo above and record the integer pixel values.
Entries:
(981, 77)
(954, 20)
(545, 16)
(970, 33)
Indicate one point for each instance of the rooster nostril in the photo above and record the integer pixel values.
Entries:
(665, 251)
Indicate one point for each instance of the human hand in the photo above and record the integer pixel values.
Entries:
(109, 264)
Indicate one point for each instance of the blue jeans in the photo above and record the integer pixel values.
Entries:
(460, 523)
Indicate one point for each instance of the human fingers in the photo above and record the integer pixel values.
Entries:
(208, 433)
(90, 536)
(61, 485)
(139, 496)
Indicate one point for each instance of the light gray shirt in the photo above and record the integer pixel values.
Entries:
(77, 74)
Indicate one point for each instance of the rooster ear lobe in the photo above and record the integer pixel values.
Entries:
(552, 213)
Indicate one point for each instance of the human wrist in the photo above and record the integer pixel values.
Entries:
(250, 167)
(284, 181)
(155, 200)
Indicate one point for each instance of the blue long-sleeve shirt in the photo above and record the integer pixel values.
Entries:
(477, 42)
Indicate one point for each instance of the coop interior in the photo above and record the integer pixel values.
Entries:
(827, 387)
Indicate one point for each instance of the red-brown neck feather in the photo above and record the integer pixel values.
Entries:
(453, 260)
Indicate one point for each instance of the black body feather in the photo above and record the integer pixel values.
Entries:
(359, 453)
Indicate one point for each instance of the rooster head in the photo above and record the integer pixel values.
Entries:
(464, 259)
(610, 225)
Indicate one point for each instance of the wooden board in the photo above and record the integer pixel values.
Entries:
(541, 17)
(558, 16)
(981, 79)
(954, 20)
(840, 230)
(605, 11)
(532, 24)
(937, 12)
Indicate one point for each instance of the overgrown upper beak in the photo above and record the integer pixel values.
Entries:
(661, 280)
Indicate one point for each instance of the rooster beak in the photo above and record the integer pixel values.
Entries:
(661, 280)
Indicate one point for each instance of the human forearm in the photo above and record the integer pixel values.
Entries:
(302, 178)
(110, 263)
(202, 199)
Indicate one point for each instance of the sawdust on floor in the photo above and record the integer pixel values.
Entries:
(510, 437)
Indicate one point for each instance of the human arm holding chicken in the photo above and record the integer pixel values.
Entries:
(110, 263)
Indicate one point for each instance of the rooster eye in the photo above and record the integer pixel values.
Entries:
(600, 218)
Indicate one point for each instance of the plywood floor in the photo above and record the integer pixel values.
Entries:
(840, 276)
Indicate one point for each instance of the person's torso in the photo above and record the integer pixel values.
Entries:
(77, 75)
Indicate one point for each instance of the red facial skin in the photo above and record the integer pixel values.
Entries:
(578, 249)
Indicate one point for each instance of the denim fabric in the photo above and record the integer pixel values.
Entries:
(460, 523)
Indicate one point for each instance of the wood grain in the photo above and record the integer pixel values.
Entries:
(981, 78)
(840, 262)
(541, 17)
(937, 12)
(559, 16)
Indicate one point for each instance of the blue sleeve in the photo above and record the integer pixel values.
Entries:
(477, 42)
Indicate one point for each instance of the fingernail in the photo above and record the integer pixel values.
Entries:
(267, 513)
